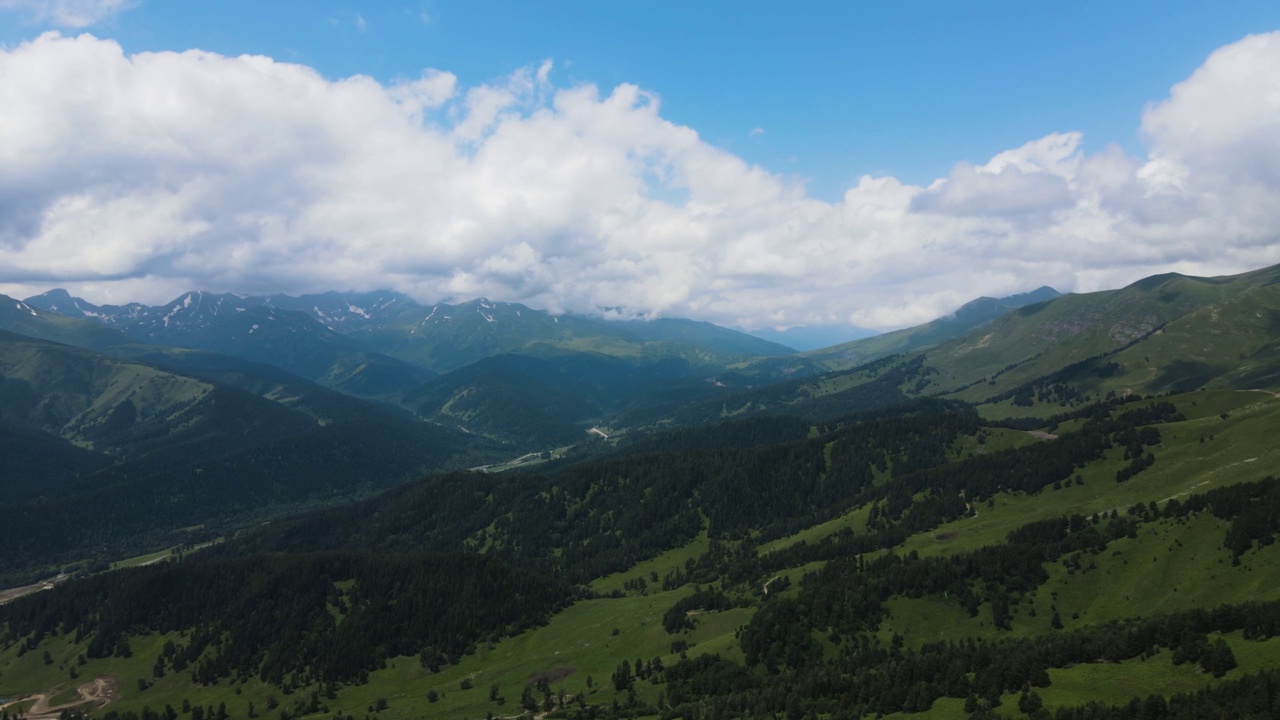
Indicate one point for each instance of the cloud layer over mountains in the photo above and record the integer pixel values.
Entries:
(134, 177)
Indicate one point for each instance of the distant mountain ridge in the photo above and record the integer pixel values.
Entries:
(344, 310)
(848, 355)
(241, 327)
(988, 349)
(62, 302)
(386, 324)
(972, 314)
(383, 345)
(1164, 333)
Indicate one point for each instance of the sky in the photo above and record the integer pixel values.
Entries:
(874, 164)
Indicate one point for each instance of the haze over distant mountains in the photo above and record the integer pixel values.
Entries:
(439, 337)
(812, 337)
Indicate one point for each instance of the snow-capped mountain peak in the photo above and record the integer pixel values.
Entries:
(63, 303)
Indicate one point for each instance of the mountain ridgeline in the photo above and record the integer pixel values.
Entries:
(385, 325)
(385, 346)
(968, 317)
(1168, 333)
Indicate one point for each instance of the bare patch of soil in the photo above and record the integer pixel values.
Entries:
(97, 692)
(48, 584)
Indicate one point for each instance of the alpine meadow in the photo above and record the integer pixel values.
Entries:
(475, 360)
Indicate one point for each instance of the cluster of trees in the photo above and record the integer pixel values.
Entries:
(924, 499)
(1099, 410)
(844, 603)
(867, 676)
(1252, 508)
(736, 562)
(1060, 386)
(624, 676)
(847, 596)
(677, 618)
(292, 620)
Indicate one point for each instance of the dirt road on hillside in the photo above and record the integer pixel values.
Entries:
(47, 584)
(96, 692)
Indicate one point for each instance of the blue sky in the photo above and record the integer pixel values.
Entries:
(977, 132)
(840, 89)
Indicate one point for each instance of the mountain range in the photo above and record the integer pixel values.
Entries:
(437, 338)
(1041, 506)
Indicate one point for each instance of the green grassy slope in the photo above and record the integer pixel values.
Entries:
(86, 397)
(1167, 566)
(972, 315)
(1186, 331)
(1166, 333)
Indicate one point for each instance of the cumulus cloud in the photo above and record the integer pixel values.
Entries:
(1009, 193)
(128, 177)
(1029, 181)
(68, 13)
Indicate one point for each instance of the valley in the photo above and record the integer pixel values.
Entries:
(1060, 510)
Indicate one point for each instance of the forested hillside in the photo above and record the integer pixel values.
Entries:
(927, 561)
(295, 620)
(110, 457)
(856, 544)
(549, 400)
(603, 516)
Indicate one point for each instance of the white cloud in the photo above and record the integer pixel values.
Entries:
(428, 92)
(1224, 121)
(1010, 192)
(756, 132)
(135, 177)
